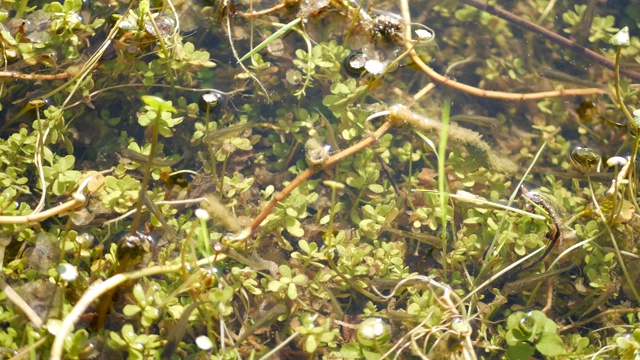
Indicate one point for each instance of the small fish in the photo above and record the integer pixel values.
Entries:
(566, 78)
(142, 158)
(153, 208)
(217, 136)
(476, 119)
(554, 232)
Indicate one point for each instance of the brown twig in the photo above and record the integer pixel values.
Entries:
(17, 300)
(498, 94)
(580, 50)
(597, 316)
(306, 174)
(549, 304)
(77, 201)
(99, 288)
(262, 12)
(37, 77)
(397, 115)
(474, 90)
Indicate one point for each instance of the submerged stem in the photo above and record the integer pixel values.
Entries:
(614, 243)
(147, 173)
(442, 155)
(621, 104)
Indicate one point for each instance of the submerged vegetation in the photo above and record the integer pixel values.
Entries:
(319, 179)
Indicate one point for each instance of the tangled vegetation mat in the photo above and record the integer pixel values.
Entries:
(319, 179)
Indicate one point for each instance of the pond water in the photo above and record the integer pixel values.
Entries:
(319, 179)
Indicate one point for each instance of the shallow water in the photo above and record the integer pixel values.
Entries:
(370, 212)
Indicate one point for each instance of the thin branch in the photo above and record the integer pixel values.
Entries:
(499, 94)
(21, 304)
(597, 316)
(306, 174)
(477, 91)
(262, 12)
(35, 77)
(580, 50)
(99, 288)
(77, 201)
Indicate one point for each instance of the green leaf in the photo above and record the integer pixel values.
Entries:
(149, 315)
(376, 188)
(621, 38)
(292, 292)
(294, 228)
(53, 326)
(371, 354)
(310, 344)
(138, 293)
(624, 343)
(550, 344)
(135, 354)
(467, 13)
(521, 351)
(340, 89)
(8, 38)
(72, 5)
(158, 103)
(300, 279)
(128, 333)
(117, 339)
(76, 342)
(55, 7)
(304, 246)
(131, 310)
(274, 286)
(350, 351)
(285, 271)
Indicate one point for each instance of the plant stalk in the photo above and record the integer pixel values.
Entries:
(147, 174)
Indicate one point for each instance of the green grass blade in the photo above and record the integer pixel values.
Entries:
(283, 30)
(463, 196)
(442, 156)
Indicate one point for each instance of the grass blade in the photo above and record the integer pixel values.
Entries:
(283, 30)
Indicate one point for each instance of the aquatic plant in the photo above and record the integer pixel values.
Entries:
(318, 179)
